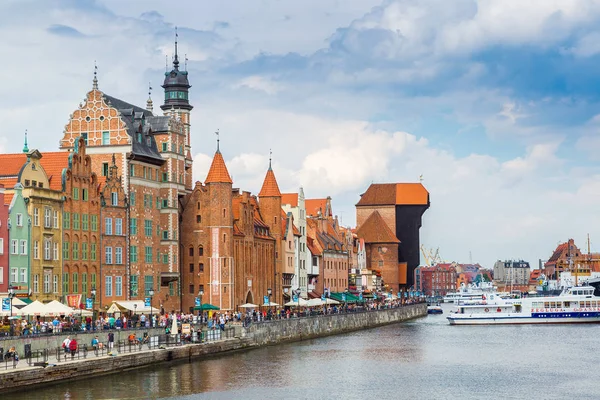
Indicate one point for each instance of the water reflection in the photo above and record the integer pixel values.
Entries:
(421, 359)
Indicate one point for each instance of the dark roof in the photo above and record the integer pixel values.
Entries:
(140, 120)
(123, 105)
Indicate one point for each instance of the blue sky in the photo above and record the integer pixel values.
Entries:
(495, 102)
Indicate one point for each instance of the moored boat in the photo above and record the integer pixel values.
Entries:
(437, 309)
(574, 305)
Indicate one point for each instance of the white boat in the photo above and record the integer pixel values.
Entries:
(574, 305)
(470, 292)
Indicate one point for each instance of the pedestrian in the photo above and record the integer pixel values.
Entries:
(65, 344)
(111, 340)
(95, 345)
(73, 347)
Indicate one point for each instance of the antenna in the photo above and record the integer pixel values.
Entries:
(270, 155)
(166, 63)
(149, 89)
(217, 133)
(185, 63)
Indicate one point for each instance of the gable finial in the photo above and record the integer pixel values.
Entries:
(217, 133)
(149, 105)
(176, 59)
(185, 63)
(95, 81)
(25, 148)
(270, 156)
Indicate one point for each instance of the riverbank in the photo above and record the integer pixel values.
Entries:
(257, 335)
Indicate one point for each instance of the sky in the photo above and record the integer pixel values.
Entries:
(495, 103)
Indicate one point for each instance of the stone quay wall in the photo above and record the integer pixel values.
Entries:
(256, 335)
(294, 329)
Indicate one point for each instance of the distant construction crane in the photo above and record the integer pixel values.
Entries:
(431, 258)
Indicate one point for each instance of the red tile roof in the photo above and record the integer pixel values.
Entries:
(54, 163)
(314, 205)
(375, 230)
(270, 188)
(379, 194)
(12, 164)
(289, 198)
(218, 170)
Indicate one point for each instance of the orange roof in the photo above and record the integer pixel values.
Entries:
(8, 198)
(314, 205)
(289, 198)
(379, 194)
(12, 164)
(54, 163)
(270, 187)
(218, 171)
(375, 230)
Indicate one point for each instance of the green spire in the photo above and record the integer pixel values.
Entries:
(25, 148)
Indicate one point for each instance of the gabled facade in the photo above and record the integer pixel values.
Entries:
(117, 282)
(19, 226)
(82, 226)
(4, 240)
(294, 203)
(44, 203)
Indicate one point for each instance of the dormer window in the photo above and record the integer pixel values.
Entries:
(139, 137)
(148, 142)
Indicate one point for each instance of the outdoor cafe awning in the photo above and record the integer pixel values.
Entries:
(130, 305)
(350, 298)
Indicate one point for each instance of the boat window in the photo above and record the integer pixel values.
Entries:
(567, 304)
(546, 304)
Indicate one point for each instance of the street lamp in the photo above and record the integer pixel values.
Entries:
(11, 295)
(93, 293)
(200, 294)
(151, 293)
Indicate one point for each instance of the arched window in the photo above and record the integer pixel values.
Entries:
(191, 252)
(200, 251)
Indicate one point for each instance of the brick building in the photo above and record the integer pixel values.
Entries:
(401, 207)
(437, 280)
(327, 247)
(115, 231)
(207, 231)
(152, 155)
(81, 248)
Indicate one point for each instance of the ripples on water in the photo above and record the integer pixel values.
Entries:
(423, 359)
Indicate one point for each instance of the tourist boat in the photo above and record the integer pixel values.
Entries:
(577, 304)
(435, 309)
(470, 292)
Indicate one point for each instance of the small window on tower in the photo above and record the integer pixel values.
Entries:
(105, 169)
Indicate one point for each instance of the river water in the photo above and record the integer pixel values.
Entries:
(421, 359)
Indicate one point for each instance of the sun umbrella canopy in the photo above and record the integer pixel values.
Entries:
(248, 305)
(300, 303)
(315, 302)
(35, 308)
(205, 307)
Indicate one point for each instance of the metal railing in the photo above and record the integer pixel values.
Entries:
(57, 355)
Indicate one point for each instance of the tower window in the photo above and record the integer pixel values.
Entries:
(105, 169)
(105, 138)
(84, 135)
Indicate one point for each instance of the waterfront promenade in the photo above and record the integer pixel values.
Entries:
(164, 348)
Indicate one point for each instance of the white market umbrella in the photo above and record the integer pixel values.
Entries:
(314, 302)
(248, 305)
(35, 308)
(300, 303)
(271, 304)
(331, 301)
(57, 308)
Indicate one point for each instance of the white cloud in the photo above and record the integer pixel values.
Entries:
(258, 83)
